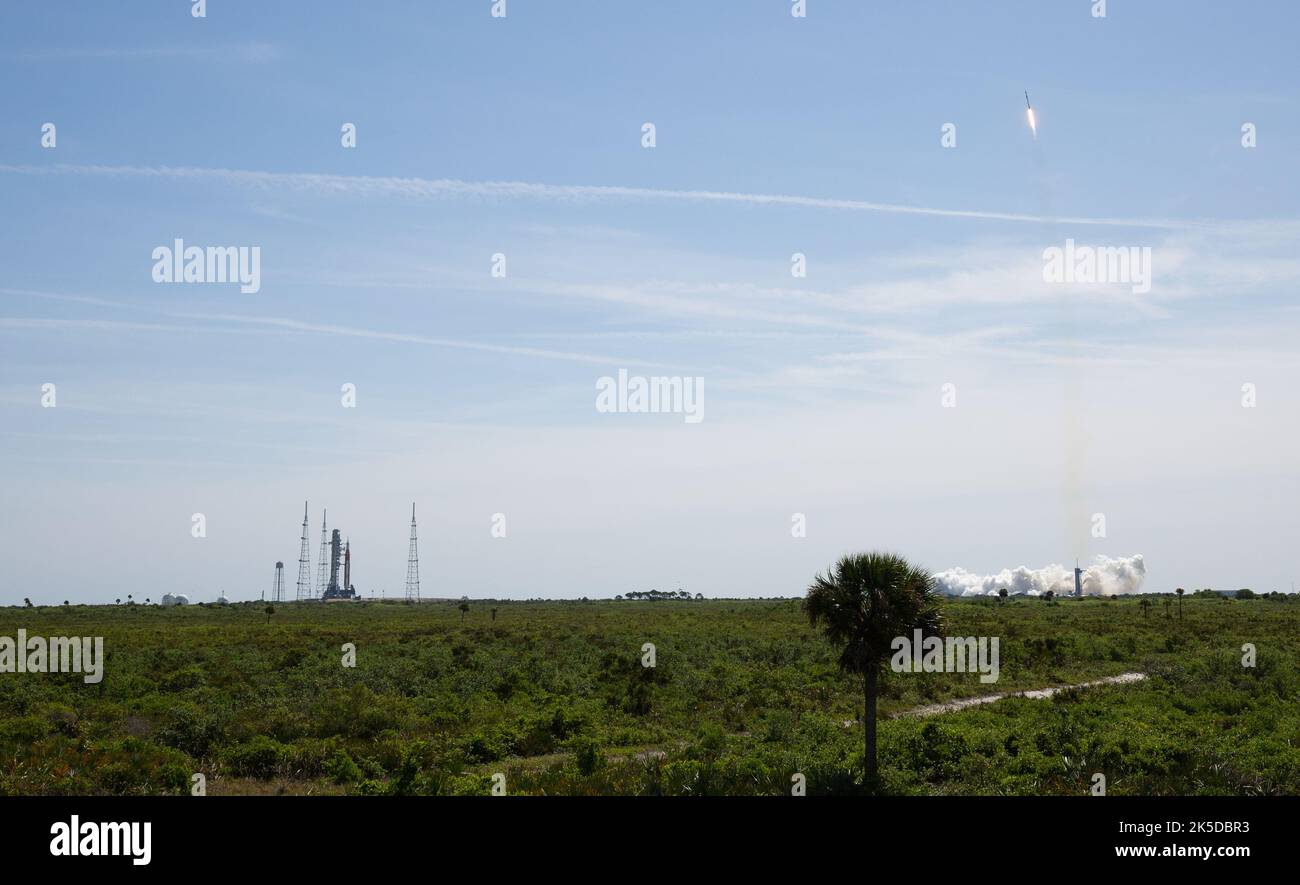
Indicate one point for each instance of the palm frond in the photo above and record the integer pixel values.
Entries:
(866, 600)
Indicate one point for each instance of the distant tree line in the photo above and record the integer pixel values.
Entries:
(659, 594)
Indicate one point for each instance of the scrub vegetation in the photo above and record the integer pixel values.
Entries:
(744, 694)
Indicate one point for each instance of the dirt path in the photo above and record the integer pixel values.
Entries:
(1039, 693)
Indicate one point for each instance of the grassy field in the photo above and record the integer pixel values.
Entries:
(553, 695)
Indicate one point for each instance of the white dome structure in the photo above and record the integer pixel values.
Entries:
(174, 599)
(222, 600)
(181, 599)
(167, 599)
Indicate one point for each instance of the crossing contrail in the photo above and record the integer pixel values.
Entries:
(443, 188)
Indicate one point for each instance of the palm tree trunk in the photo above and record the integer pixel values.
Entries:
(869, 724)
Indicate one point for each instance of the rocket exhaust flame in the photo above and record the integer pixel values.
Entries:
(1033, 124)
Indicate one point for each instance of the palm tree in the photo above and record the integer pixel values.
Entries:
(1049, 595)
(1168, 603)
(1180, 591)
(862, 603)
(1146, 607)
(464, 607)
(1002, 595)
(118, 600)
(65, 602)
(270, 610)
(27, 602)
(494, 614)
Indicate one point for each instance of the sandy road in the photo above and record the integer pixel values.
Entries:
(1038, 694)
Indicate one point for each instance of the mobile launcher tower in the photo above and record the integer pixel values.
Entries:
(340, 552)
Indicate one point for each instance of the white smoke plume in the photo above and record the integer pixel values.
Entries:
(1105, 577)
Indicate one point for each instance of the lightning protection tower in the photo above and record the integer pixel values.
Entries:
(304, 561)
(413, 565)
(277, 589)
(323, 567)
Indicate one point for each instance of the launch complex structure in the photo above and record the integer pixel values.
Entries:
(335, 590)
(334, 568)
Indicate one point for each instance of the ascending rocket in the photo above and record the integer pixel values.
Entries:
(1029, 111)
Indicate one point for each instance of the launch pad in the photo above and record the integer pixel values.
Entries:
(333, 579)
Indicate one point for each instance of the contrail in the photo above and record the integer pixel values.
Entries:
(264, 325)
(441, 188)
(353, 332)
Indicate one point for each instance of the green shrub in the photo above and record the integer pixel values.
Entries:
(24, 729)
(259, 757)
(588, 755)
(342, 769)
(190, 730)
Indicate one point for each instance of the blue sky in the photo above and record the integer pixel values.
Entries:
(522, 136)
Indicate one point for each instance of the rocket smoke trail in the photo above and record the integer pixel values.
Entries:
(1107, 576)
(1076, 519)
